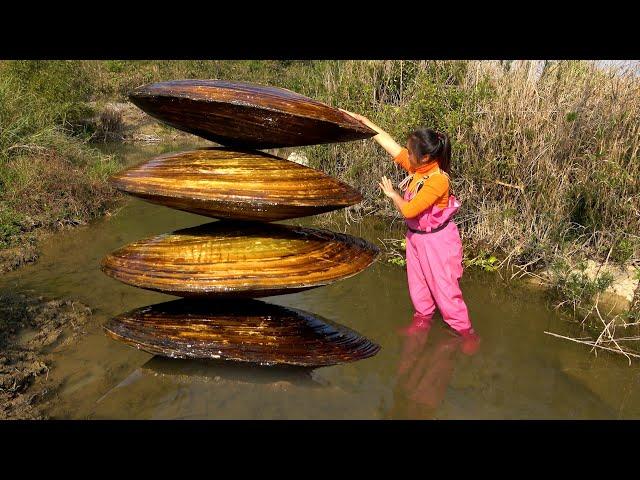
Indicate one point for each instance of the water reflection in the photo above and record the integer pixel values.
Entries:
(216, 370)
(220, 372)
(166, 388)
(426, 365)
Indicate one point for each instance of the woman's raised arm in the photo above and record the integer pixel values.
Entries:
(383, 138)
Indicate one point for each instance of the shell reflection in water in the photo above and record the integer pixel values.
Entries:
(239, 259)
(188, 371)
(241, 330)
(238, 185)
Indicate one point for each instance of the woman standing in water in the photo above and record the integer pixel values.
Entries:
(433, 245)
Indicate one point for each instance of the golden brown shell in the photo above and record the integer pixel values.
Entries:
(239, 259)
(247, 115)
(241, 330)
(242, 185)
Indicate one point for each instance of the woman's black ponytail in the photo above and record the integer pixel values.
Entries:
(445, 157)
(425, 141)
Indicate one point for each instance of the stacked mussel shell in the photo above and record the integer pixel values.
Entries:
(220, 266)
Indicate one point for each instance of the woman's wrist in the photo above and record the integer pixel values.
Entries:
(370, 124)
(373, 126)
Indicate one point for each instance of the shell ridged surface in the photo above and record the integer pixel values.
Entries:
(241, 185)
(239, 330)
(247, 115)
(239, 259)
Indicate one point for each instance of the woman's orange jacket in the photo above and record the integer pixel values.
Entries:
(434, 190)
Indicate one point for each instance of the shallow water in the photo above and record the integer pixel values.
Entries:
(517, 372)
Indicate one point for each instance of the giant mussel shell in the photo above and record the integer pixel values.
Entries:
(240, 185)
(244, 330)
(239, 259)
(247, 115)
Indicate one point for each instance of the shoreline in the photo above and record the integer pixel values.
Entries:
(135, 127)
(31, 328)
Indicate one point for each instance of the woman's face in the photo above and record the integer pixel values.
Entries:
(415, 162)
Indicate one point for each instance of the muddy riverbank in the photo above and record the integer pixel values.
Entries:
(32, 328)
(124, 122)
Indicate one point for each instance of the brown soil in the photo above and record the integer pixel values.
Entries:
(127, 123)
(31, 328)
(12, 258)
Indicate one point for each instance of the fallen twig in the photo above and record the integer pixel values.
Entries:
(509, 185)
(593, 344)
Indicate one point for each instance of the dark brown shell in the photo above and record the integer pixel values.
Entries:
(247, 115)
(239, 259)
(239, 330)
(229, 184)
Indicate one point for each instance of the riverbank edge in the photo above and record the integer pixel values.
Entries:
(31, 329)
(111, 122)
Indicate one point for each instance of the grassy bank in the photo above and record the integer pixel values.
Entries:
(542, 166)
(50, 177)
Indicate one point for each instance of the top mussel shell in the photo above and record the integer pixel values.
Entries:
(246, 115)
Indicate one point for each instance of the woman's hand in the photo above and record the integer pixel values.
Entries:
(387, 187)
(382, 137)
(362, 118)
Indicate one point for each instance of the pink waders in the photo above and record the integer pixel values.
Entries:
(434, 265)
